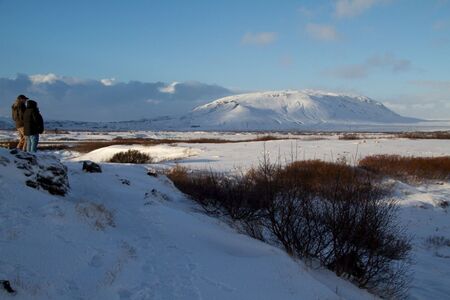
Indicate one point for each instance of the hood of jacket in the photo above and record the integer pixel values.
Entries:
(31, 104)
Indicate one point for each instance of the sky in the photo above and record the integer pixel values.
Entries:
(394, 51)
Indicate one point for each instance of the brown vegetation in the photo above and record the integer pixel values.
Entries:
(440, 135)
(350, 136)
(330, 212)
(131, 157)
(408, 168)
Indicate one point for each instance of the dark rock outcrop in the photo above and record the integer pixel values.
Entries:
(91, 167)
(43, 171)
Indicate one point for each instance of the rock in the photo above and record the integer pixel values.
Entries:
(91, 167)
(7, 286)
(27, 156)
(43, 171)
(32, 184)
(125, 181)
(152, 172)
(52, 184)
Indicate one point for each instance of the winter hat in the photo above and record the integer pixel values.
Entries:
(22, 97)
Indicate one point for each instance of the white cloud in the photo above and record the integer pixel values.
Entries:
(44, 78)
(351, 8)
(170, 88)
(386, 61)
(322, 32)
(429, 104)
(259, 38)
(108, 81)
(68, 98)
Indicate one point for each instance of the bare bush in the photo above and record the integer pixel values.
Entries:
(131, 157)
(330, 212)
(408, 168)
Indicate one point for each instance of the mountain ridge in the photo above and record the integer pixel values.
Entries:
(283, 110)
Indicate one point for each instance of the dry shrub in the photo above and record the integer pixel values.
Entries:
(350, 136)
(330, 212)
(439, 135)
(408, 168)
(56, 131)
(8, 144)
(131, 157)
(265, 138)
(53, 147)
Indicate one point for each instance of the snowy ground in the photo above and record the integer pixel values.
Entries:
(162, 248)
(147, 241)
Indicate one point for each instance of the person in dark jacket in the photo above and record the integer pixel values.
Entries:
(33, 125)
(17, 110)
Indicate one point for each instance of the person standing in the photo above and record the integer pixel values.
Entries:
(18, 109)
(33, 125)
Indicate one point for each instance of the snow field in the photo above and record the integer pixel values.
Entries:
(154, 244)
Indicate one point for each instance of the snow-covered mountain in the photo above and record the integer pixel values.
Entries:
(290, 110)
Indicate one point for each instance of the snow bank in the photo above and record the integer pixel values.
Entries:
(158, 153)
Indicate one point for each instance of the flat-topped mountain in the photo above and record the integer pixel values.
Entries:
(290, 110)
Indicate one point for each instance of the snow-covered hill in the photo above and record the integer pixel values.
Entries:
(122, 234)
(6, 123)
(290, 110)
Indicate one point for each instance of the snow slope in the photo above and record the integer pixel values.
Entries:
(158, 153)
(121, 234)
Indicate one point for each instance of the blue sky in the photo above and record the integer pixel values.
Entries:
(396, 51)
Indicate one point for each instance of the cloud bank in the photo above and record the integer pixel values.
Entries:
(386, 61)
(68, 98)
(352, 8)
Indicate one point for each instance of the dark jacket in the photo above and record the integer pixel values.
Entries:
(18, 110)
(32, 119)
